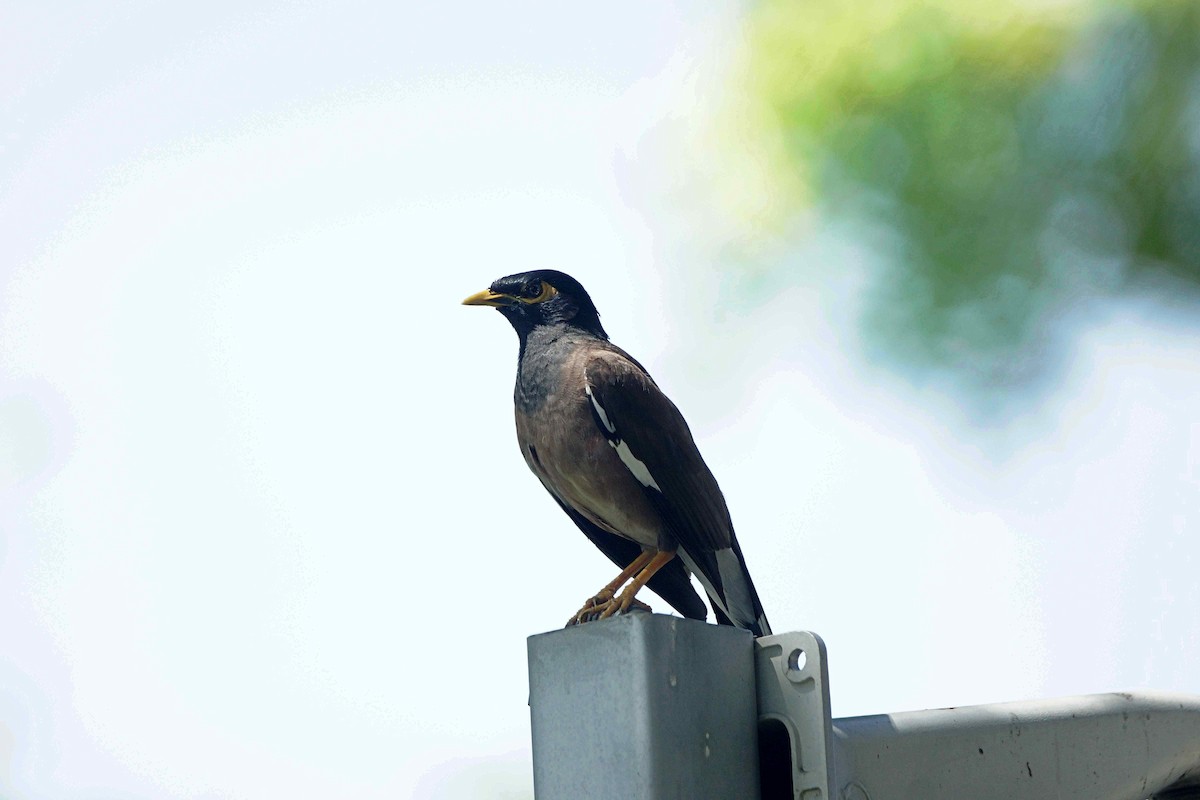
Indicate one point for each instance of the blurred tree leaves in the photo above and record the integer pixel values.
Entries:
(1017, 158)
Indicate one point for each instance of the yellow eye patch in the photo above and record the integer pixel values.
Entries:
(545, 294)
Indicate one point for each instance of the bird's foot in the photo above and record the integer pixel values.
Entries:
(604, 605)
(623, 603)
(593, 607)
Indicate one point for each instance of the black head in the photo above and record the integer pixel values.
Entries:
(542, 297)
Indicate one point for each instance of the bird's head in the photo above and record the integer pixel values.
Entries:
(542, 297)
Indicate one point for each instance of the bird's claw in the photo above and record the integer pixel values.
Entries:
(593, 607)
(605, 605)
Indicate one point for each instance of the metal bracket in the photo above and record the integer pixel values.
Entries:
(792, 673)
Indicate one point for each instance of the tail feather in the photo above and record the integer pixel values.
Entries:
(730, 590)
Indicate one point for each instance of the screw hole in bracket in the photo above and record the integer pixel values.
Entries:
(796, 662)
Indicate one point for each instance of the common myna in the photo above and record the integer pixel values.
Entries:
(616, 454)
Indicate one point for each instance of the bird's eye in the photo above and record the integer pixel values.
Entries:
(538, 294)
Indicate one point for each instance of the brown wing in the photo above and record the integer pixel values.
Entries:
(654, 442)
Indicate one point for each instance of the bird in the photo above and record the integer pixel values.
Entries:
(618, 457)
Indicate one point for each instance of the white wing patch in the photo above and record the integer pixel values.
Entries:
(635, 466)
(587, 387)
(631, 462)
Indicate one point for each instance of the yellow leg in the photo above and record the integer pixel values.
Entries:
(622, 603)
(603, 600)
(627, 573)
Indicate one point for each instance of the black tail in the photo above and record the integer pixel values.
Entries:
(730, 590)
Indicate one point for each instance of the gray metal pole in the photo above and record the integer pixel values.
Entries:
(643, 706)
(1126, 746)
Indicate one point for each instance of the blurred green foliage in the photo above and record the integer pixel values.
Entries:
(1006, 161)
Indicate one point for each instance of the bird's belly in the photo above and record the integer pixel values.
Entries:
(589, 476)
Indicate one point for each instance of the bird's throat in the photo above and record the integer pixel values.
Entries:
(539, 368)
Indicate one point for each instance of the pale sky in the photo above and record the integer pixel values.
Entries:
(264, 527)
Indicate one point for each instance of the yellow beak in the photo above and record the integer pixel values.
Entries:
(488, 298)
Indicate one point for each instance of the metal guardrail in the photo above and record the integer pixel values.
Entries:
(654, 707)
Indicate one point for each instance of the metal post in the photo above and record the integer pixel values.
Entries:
(643, 706)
